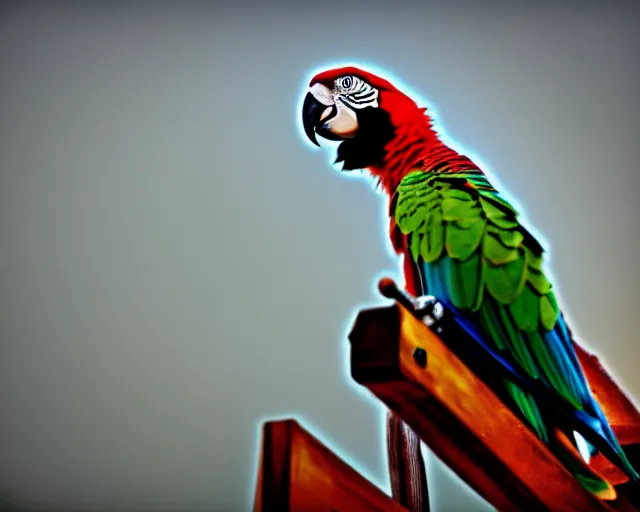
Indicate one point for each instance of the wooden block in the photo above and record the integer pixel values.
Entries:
(297, 473)
(467, 426)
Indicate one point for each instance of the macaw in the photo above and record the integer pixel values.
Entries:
(464, 243)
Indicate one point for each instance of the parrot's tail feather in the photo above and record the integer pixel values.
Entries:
(575, 448)
(595, 426)
(585, 448)
(586, 476)
(406, 466)
(528, 408)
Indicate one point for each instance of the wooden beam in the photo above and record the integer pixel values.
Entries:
(617, 407)
(297, 473)
(620, 412)
(467, 426)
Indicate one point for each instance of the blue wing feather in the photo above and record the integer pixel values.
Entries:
(590, 422)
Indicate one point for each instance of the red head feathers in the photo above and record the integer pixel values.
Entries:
(389, 133)
(328, 77)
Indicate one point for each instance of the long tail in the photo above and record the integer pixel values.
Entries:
(406, 466)
(595, 427)
(561, 441)
(590, 423)
(567, 452)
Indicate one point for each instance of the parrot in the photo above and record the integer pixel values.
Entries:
(462, 241)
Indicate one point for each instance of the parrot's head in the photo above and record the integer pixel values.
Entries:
(367, 113)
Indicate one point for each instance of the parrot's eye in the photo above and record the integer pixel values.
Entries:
(345, 83)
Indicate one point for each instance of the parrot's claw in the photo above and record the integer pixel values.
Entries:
(429, 311)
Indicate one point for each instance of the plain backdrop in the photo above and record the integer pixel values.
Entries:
(177, 264)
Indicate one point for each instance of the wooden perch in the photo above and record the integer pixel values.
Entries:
(297, 473)
(411, 370)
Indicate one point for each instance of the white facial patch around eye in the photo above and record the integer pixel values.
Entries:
(322, 93)
(359, 95)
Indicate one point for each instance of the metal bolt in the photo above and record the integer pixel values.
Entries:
(420, 357)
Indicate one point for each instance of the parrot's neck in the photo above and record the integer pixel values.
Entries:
(416, 146)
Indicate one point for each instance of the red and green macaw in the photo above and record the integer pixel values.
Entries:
(464, 243)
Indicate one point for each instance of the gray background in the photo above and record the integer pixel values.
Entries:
(177, 264)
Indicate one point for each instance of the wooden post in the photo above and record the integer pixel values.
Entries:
(298, 473)
(410, 369)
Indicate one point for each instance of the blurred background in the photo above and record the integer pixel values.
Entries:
(178, 264)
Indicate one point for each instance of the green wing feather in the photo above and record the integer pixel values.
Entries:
(473, 253)
(477, 256)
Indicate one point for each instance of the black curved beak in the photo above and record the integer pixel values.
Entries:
(311, 111)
